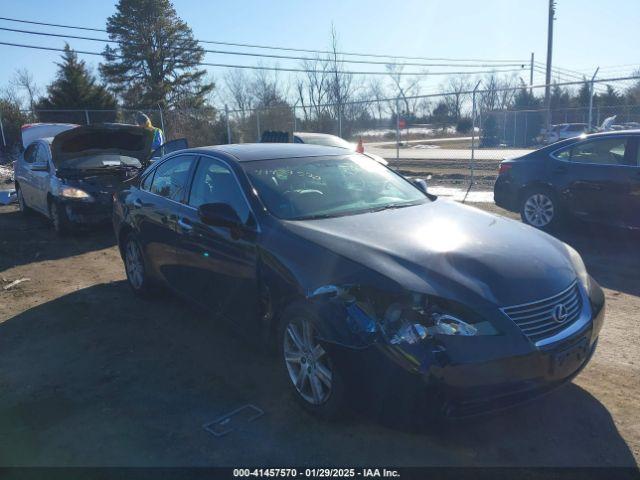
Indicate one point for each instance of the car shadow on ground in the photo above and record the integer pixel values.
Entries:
(26, 239)
(100, 377)
(612, 255)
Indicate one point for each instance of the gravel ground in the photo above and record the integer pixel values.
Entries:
(91, 375)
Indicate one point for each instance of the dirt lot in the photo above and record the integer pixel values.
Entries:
(91, 375)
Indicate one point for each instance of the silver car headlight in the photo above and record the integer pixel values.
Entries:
(76, 194)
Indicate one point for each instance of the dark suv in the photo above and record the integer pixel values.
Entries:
(593, 177)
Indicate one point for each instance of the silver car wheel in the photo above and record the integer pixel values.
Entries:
(539, 210)
(308, 364)
(133, 264)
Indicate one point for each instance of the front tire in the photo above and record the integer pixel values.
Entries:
(59, 218)
(311, 372)
(540, 209)
(22, 205)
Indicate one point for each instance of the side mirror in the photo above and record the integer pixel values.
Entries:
(39, 167)
(421, 183)
(219, 215)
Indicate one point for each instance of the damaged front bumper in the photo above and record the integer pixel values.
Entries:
(88, 213)
(466, 375)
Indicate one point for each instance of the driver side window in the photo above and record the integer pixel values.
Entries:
(214, 182)
(30, 153)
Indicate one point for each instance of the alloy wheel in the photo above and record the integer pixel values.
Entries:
(539, 210)
(308, 365)
(133, 264)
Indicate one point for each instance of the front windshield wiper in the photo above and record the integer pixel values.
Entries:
(392, 206)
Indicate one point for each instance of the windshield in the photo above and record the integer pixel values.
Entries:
(327, 141)
(320, 187)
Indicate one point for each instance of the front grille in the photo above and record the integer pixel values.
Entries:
(538, 320)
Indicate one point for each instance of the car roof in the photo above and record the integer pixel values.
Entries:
(248, 152)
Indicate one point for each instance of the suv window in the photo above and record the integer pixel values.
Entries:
(603, 151)
(214, 182)
(170, 178)
(30, 153)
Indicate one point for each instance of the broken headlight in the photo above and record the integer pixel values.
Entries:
(75, 193)
(421, 317)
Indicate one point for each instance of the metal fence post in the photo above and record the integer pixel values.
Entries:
(397, 128)
(295, 121)
(4, 140)
(591, 91)
(339, 119)
(515, 125)
(258, 125)
(86, 117)
(473, 139)
(226, 116)
(161, 119)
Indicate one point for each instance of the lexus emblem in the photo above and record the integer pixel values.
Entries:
(560, 313)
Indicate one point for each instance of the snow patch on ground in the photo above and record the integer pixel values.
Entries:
(458, 194)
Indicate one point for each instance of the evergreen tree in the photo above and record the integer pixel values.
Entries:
(156, 59)
(75, 88)
(610, 98)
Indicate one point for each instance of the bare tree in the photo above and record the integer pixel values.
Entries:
(341, 84)
(239, 91)
(377, 93)
(405, 86)
(457, 89)
(23, 80)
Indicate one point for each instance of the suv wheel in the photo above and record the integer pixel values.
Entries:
(312, 373)
(539, 208)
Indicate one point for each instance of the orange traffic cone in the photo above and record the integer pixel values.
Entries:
(360, 147)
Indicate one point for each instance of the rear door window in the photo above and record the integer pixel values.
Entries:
(603, 151)
(170, 178)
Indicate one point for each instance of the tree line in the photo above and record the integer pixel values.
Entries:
(155, 65)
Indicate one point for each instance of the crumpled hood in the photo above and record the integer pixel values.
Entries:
(118, 139)
(448, 249)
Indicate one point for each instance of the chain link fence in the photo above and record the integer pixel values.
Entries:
(454, 148)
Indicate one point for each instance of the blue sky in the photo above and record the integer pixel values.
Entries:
(587, 33)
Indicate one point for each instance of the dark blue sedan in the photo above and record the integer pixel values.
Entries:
(592, 177)
(363, 282)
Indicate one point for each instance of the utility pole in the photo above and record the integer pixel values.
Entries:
(531, 75)
(547, 80)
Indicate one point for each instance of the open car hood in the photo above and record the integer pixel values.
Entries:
(116, 139)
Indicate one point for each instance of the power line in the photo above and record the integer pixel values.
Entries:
(279, 69)
(290, 49)
(265, 55)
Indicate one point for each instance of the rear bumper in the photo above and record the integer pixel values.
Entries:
(505, 194)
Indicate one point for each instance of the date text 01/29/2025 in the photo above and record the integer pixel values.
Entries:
(316, 473)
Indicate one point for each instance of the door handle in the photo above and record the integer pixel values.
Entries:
(185, 225)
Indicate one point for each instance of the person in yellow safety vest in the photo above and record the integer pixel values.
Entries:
(158, 134)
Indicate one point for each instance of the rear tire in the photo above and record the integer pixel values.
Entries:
(135, 268)
(59, 218)
(314, 376)
(539, 208)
